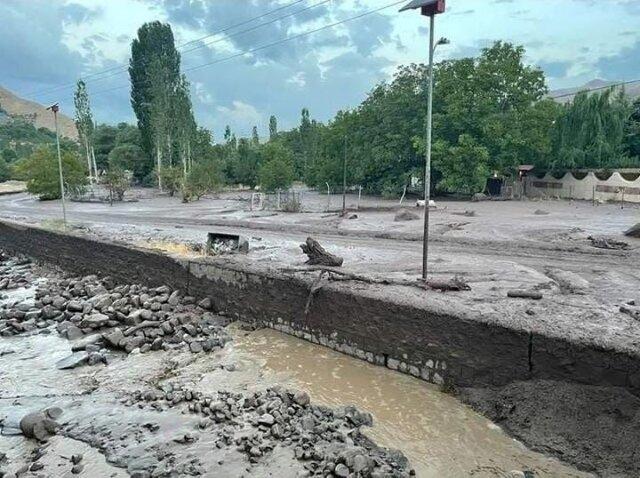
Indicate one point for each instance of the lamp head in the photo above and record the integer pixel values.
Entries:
(54, 107)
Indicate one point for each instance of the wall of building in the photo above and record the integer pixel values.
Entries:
(615, 188)
(436, 345)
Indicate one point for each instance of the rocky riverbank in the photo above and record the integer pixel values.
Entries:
(142, 339)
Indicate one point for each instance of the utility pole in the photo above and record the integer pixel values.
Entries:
(54, 108)
(429, 8)
(344, 179)
(427, 168)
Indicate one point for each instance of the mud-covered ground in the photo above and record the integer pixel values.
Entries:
(130, 408)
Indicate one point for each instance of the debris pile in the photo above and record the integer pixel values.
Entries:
(327, 441)
(103, 314)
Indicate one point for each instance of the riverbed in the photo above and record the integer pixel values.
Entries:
(440, 436)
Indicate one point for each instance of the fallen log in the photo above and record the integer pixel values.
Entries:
(318, 255)
(524, 294)
(455, 284)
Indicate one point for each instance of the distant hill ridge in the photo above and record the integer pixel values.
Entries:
(565, 95)
(14, 106)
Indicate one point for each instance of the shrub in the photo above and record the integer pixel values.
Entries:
(117, 181)
(204, 178)
(172, 178)
(41, 172)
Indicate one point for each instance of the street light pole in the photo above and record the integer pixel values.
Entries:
(54, 108)
(427, 167)
(429, 8)
(344, 179)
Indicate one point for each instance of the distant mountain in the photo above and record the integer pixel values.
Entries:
(632, 90)
(16, 107)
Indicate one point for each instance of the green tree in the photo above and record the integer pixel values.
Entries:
(273, 128)
(276, 171)
(464, 167)
(205, 177)
(255, 139)
(128, 157)
(8, 155)
(41, 172)
(154, 45)
(84, 125)
(245, 166)
(590, 132)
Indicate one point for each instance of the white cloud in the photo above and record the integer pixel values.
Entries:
(298, 79)
(240, 113)
(202, 94)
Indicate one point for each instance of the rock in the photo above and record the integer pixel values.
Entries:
(75, 459)
(77, 469)
(266, 419)
(114, 338)
(94, 321)
(86, 342)
(633, 231)
(301, 398)
(405, 215)
(38, 425)
(95, 358)
(131, 343)
(75, 306)
(49, 312)
(72, 332)
(205, 303)
(541, 212)
(341, 471)
(195, 347)
(74, 360)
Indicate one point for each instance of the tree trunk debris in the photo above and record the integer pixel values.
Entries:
(524, 294)
(318, 255)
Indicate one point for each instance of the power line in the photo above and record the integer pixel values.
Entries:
(270, 45)
(588, 90)
(122, 68)
(242, 32)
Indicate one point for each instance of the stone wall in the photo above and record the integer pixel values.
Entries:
(430, 343)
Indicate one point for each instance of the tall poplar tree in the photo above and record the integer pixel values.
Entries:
(273, 128)
(84, 124)
(153, 48)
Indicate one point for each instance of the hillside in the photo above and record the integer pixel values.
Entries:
(565, 95)
(35, 113)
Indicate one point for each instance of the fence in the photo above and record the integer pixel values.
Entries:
(288, 201)
(615, 188)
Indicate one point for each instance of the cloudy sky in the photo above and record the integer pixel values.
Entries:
(45, 45)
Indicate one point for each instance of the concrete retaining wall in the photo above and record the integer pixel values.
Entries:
(432, 344)
(616, 188)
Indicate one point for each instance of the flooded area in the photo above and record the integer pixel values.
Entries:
(440, 436)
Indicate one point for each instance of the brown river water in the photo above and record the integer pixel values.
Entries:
(440, 436)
